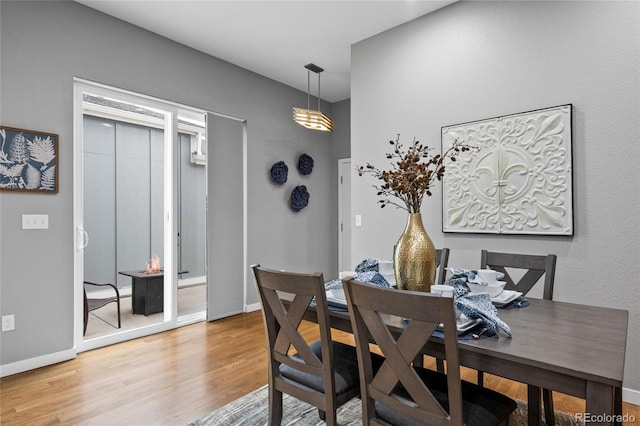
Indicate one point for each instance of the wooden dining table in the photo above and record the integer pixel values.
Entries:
(575, 349)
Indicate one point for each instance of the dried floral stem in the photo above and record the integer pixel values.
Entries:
(411, 177)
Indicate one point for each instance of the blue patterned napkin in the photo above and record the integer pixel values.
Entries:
(472, 275)
(475, 305)
(366, 272)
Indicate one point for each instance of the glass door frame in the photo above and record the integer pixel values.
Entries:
(171, 111)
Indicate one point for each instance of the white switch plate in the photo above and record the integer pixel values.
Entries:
(358, 220)
(35, 221)
(8, 323)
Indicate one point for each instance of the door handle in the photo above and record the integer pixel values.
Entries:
(84, 238)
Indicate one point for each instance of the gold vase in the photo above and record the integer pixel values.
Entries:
(414, 259)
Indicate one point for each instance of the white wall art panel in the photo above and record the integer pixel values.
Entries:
(519, 181)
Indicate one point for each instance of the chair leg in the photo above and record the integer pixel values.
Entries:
(86, 314)
(119, 323)
(440, 365)
(547, 400)
(419, 361)
(275, 406)
(330, 418)
(481, 378)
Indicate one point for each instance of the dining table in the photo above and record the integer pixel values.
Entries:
(571, 348)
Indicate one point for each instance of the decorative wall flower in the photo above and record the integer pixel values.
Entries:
(305, 164)
(299, 198)
(279, 172)
(410, 178)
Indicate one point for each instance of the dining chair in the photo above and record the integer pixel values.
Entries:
(442, 261)
(93, 303)
(534, 267)
(323, 373)
(400, 393)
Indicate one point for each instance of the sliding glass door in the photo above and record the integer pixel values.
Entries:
(140, 194)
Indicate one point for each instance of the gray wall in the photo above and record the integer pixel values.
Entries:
(341, 113)
(44, 45)
(475, 60)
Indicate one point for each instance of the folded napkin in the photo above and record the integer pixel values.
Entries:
(368, 265)
(366, 272)
(475, 305)
(472, 275)
(366, 277)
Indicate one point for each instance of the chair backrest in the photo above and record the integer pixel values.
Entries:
(535, 265)
(282, 321)
(442, 261)
(382, 314)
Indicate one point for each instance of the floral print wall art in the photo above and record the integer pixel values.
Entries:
(28, 160)
(519, 181)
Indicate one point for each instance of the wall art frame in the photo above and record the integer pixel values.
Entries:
(519, 181)
(28, 160)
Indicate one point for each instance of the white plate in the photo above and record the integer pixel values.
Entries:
(464, 324)
(336, 297)
(493, 289)
(507, 296)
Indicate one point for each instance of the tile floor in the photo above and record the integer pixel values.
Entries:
(191, 300)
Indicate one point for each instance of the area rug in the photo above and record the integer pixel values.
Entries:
(253, 410)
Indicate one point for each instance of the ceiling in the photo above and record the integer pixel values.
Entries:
(274, 38)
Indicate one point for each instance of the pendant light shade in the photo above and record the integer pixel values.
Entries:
(312, 119)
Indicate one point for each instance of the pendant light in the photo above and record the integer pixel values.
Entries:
(309, 118)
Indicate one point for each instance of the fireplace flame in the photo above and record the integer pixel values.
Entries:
(153, 266)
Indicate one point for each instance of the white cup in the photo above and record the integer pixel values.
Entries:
(487, 275)
(442, 290)
(343, 274)
(385, 267)
(446, 291)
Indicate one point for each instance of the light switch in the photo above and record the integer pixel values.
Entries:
(358, 220)
(35, 221)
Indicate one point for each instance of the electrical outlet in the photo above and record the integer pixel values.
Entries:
(8, 323)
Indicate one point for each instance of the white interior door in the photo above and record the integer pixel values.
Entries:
(344, 215)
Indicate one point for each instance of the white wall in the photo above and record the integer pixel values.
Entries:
(475, 60)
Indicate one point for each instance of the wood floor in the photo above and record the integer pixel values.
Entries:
(171, 378)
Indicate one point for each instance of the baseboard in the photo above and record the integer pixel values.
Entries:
(251, 308)
(37, 362)
(224, 315)
(632, 396)
(192, 281)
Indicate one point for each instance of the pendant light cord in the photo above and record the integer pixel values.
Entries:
(318, 92)
(308, 89)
